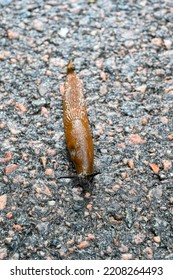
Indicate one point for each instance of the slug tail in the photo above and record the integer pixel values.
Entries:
(70, 67)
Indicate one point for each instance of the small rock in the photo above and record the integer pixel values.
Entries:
(51, 152)
(148, 252)
(3, 253)
(17, 227)
(51, 202)
(138, 238)
(166, 164)
(128, 108)
(83, 244)
(157, 41)
(164, 119)
(158, 225)
(123, 249)
(38, 25)
(129, 44)
(3, 201)
(170, 137)
(91, 237)
(103, 76)
(58, 62)
(144, 121)
(168, 44)
(13, 128)
(10, 168)
(103, 90)
(63, 32)
(12, 35)
(44, 161)
(9, 215)
(49, 171)
(21, 107)
(135, 139)
(142, 88)
(44, 111)
(143, 3)
(42, 189)
(43, 88)
(155, 193)
(8, 157)
(126, 257)
(156, 239)
(99, 63)
(39, 102)
(109, 250)
(116, 187)
(131, 163)
(155, 168)
(70, 242)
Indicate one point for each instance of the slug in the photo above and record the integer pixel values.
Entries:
(76, 126)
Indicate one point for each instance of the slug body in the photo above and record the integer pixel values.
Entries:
(76, 125)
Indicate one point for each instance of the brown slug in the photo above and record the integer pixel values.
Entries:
(76, 126)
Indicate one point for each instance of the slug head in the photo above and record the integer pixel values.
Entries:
(84, 181)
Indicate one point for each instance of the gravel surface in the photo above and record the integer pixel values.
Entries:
(123, 52)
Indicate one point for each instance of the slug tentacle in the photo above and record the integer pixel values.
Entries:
(76, 125)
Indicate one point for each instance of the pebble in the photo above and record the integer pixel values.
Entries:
(157, 41)
(142, 88)
(128, 108)
(71, 242)
(167, 164)
(38, 25)
(17, 227)
(10, 168)
(3, 201)
(155, 168)
(91, 237)
(83, 244)
(168, 44)
(164, 120)
(129, 43)
(103, 76)
(8, 157)
(135, 139)
(155, 193)
(103, 90)
(21, 107)
(144, 121)
(39, 102)
(43, 88)
(3, 253)
(139, 238)
(126, 257)
(42, 189)
(13, 128)
(63, 32)
(131, 163)
(44, 161)
(170, 136)
(148, 252)
(12, 35)
(123, 248)
(156, 239)
(51, 202)
(58, 62)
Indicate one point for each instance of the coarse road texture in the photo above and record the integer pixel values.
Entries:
(123, 52)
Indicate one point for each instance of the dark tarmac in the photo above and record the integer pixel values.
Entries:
(123, 53)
